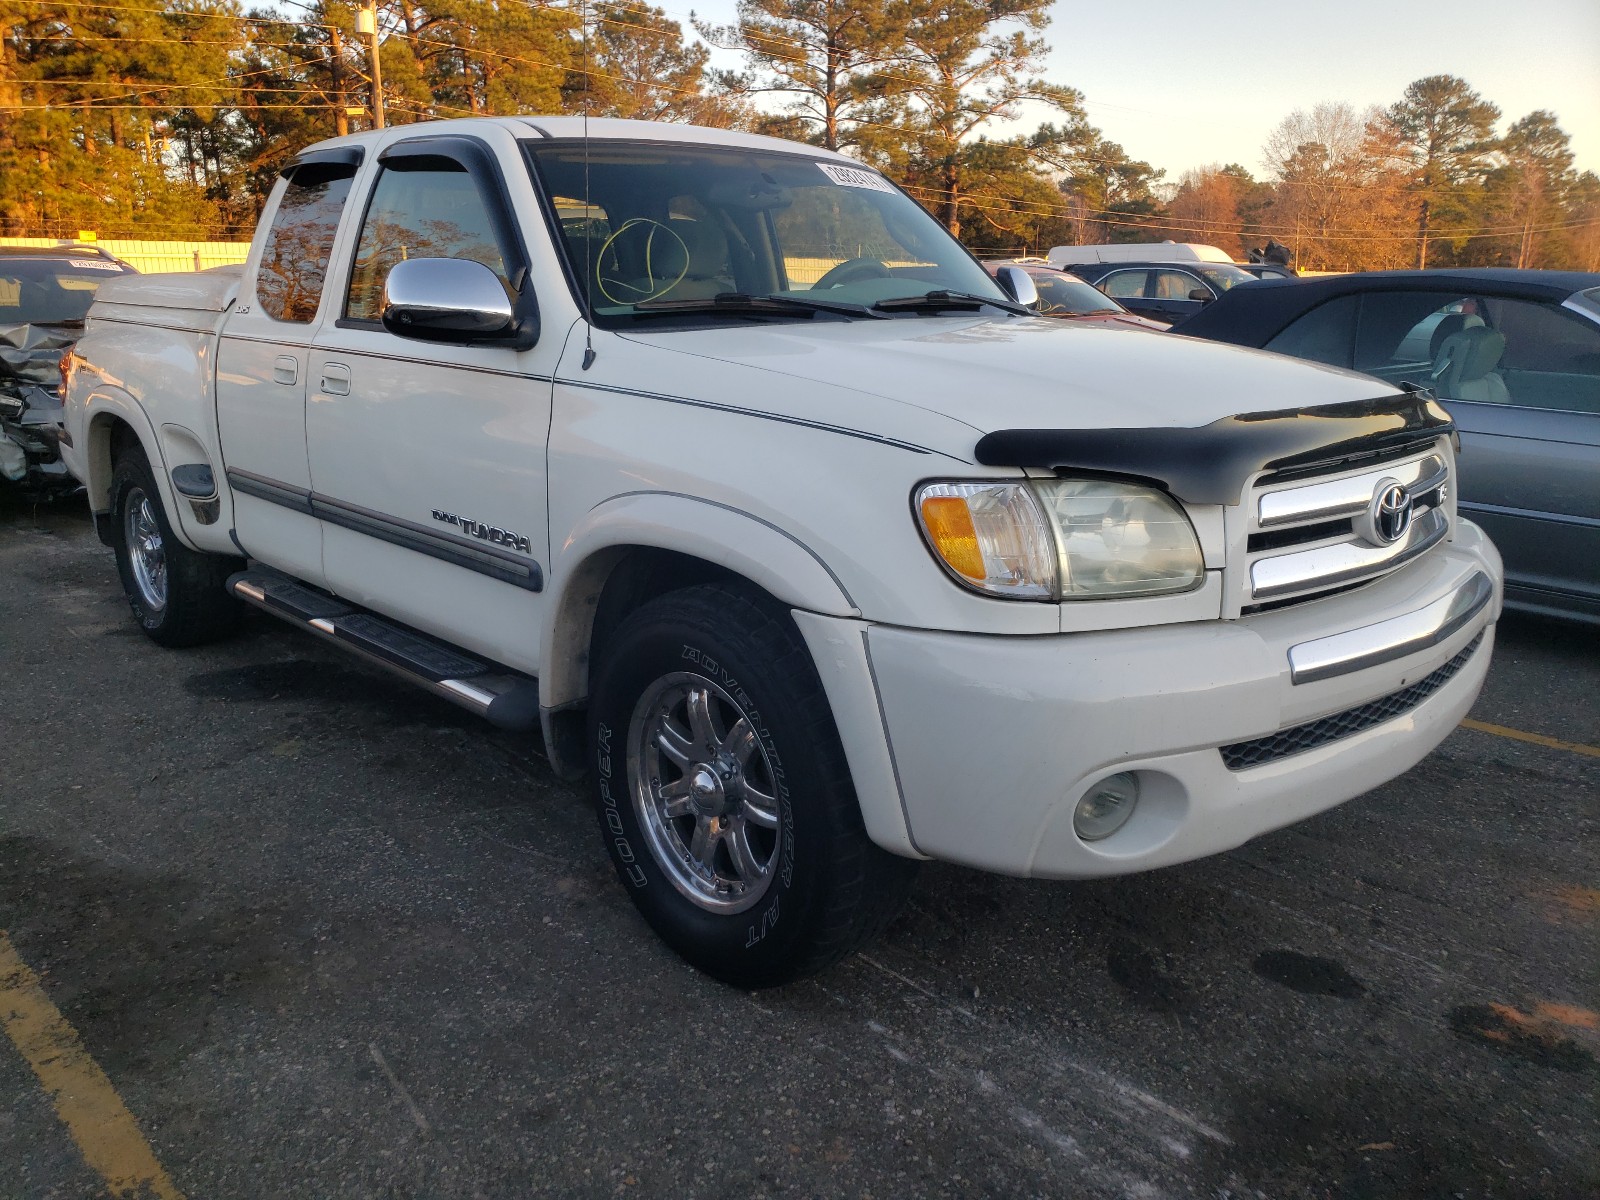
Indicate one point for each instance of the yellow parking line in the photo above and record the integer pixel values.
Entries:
(100, 1124)
(1537, 739)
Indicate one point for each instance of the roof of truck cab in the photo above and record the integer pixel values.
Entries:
(597, 128)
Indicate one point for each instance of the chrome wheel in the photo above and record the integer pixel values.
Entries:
(146, 552)
(704, 792)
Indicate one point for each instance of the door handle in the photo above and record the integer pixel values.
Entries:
(286, 370)
(335, 379)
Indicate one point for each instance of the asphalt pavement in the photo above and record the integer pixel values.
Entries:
(326, 936)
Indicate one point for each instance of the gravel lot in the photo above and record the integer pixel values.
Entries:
(328, 936)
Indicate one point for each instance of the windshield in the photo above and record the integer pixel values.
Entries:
(1224, 277)
(1067, 295)
(662, 226)
(50, 291)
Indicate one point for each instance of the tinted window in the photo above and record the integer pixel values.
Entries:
(1326, 334)
(294, 260)
(1551, 358)
(50, 291)
(1405, 329)
(1123, 283)
(419, 214)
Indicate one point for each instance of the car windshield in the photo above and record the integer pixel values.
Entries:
(654, 229)
(1067, 295)
(50, 291)
(1223, 277)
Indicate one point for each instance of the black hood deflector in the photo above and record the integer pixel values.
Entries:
(1212, 463)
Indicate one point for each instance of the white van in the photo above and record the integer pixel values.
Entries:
(1062, 256)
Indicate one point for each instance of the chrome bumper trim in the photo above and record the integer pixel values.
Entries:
(1357, 649)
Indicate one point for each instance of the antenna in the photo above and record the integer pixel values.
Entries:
(588, 239)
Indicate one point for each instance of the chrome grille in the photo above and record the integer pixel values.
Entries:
(1311, 536)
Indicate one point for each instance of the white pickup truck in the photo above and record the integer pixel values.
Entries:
(715, 458)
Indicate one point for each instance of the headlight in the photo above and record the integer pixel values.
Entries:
(1061, 539)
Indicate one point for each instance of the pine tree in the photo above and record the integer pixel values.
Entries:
(1441, 133)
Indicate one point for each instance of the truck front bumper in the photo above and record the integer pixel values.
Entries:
(1233, 728)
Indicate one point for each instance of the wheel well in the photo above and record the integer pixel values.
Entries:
(110, 437)
(605, 589)
(641, 575)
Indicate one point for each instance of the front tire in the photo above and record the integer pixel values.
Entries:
(178, 595)
(723, 793)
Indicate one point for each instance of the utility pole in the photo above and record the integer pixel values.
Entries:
(367, 23)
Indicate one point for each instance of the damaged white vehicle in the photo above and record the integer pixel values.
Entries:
(717, 459)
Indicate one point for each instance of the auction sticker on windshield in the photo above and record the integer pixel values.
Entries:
(856, 177)
(93, 264)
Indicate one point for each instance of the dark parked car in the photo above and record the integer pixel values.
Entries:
(1163, 291)
(1514, 356)
(1070, 298)
(44, 294)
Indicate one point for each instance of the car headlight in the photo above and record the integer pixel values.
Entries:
(1061, 539)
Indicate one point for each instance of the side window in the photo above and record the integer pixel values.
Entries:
(294, 260)
(1124, 283)
(1400, 334)
(1326, 334)
(1174, 285)
(431, 213)
(1550, 359)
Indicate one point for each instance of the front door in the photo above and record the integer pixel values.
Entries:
(428, 460)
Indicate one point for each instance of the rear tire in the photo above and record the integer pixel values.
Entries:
(178, 595)
(723, 793)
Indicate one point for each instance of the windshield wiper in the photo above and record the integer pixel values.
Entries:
(739, 304)
(941, 301)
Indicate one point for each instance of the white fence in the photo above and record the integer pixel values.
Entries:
(156, 256)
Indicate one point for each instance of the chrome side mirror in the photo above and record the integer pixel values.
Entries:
(446, 300)
(1018, 284)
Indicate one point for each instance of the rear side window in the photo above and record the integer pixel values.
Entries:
(1326, 334)
(294, 261)
(432, 213)
(1124, 283)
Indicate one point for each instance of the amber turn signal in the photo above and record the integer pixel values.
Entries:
(950, 529)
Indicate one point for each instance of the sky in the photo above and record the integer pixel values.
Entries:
(1186, 83)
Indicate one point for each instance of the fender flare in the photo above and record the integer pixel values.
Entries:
(100, 406)
(770, 557)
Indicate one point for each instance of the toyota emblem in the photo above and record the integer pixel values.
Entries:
(1390, 514)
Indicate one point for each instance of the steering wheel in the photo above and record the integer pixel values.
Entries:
(852, 270)
(651, 245)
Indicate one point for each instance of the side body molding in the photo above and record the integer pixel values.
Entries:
(766, 555)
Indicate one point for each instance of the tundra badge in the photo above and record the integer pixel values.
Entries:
(488, 533)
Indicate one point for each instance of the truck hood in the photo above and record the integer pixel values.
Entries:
(1004, 373)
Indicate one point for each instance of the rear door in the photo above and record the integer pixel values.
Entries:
(262, 360)
(427, 459)
(1129, 287)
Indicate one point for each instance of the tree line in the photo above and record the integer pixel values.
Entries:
(170, 118)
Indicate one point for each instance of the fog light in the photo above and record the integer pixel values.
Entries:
(1106, 807)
